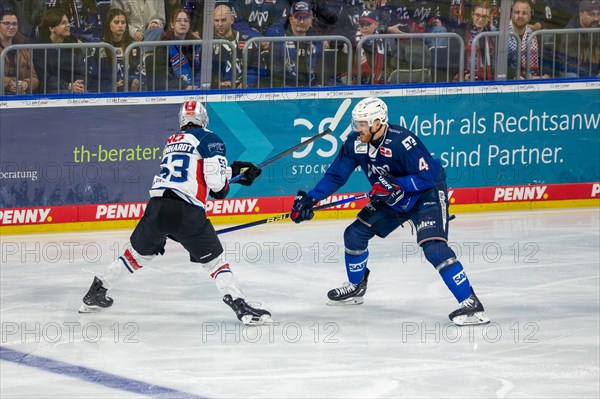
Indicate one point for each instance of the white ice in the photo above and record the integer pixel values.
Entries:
(536, 272)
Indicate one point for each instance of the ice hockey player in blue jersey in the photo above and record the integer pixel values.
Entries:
(193, 166)
(408, 185)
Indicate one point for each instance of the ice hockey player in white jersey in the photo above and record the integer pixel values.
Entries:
(194, 166)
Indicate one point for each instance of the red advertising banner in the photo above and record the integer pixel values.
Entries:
(272, 205)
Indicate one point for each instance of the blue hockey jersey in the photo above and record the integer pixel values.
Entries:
(400, 154)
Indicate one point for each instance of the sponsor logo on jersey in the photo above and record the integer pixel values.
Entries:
(20, 216)
(360, 147)
(460, 278)
(442, 196)
(425, 224)
(175, 138)
(216, 147)
(357, 267)
(409, 142)
(120, 211)
(386, 152)
(524, 193)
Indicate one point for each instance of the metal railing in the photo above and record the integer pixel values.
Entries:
(151, 61)
(553, 58)
(33, 48)
(489, 65)
(275, 62)
(408, 57)
(287, 73)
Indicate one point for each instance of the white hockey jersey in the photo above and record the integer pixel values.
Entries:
(193, 163)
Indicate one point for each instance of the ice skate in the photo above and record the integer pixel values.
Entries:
(96, 298)
(247, 314)
(470, 312)
(349, 294)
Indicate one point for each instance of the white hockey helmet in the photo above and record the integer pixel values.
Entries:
(193, 112)
(368, 110)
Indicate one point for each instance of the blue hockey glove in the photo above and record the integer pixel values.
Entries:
(386, 190)
(302, 208)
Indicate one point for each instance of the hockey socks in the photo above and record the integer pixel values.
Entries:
(224, 278)
(455, 277)
(356, 264)
(126, 264)
(96, 298)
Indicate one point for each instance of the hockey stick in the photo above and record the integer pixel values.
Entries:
(284, 216)
(336, 120)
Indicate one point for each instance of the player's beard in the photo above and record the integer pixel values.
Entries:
(365, 138)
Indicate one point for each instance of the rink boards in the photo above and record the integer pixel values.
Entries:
(76, 163)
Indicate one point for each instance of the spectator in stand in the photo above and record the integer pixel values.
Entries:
(175, 67)
(83, 18)
(19, 73)
(339, 17)
(388, 19)
(324, 18)
(116, 33)
(26, 11)
(146, 18)
(172, 5)
(196, 10)
(582, 58)
(551, 14)
(485, 48)
(519, 24)
(68, 76)
(374, 52)
(347, 13)
(222, 54)
(296, 63)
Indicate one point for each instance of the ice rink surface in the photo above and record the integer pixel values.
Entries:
(168, 334)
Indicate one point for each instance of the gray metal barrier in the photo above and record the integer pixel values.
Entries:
(561, 51)
(280, 65)
(157, 73)
(488, 71)
(68, 76)
(271, 62)
(410, 57)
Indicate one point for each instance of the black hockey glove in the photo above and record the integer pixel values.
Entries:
(220, 194)
(248, 170)
(387, 190)
(302, 208)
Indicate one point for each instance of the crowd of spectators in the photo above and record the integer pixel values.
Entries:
(374, 29)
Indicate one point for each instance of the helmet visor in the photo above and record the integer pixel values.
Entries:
(355, 124)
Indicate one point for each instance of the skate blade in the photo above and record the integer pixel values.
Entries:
(473, 319)
(347, 302)
(264, 319)
(89, 309)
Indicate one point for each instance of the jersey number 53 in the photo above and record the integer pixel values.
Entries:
(174, 167)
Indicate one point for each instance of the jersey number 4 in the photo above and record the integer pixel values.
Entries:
(175, 168)
(422, 164)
